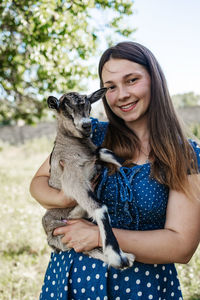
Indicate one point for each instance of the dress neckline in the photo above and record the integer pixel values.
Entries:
(132, 165)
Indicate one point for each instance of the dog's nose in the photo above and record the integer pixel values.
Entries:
(87, 126)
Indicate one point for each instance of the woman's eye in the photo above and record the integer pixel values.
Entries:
(110, 88)
(132, 80)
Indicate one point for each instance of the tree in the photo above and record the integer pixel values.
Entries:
(187, 99)
(46, 47)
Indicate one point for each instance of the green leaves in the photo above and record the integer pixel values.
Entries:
(47, 46)
(187, 99)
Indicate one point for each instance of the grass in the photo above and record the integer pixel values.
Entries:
(24, 253)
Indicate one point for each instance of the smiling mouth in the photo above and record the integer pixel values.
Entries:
(129, 106)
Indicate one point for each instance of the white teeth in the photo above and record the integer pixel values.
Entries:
(129, 105)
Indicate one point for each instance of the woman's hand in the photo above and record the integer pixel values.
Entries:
(79, 234)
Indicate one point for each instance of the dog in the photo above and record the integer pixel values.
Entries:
(73, 146)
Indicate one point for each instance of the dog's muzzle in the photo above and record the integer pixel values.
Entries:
(87, 129)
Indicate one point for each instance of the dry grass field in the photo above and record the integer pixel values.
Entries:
(24, 252)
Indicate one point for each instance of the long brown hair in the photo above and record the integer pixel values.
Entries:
(171, 154)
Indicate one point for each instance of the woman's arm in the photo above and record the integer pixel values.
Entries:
(179, 239)
(177, 242)
(47, 196)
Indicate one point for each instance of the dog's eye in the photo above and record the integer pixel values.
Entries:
(87, 106)
(68, 103)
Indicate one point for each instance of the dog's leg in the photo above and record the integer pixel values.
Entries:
(98, 254)
(108, 156)
(87, 200)
(115, 256)
(53, 219)
(55, 173)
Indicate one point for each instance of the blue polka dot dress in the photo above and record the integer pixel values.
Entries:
(135, 202)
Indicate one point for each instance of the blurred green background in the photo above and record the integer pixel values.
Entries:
(49, 47)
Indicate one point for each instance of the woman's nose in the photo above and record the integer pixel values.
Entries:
(123, 93)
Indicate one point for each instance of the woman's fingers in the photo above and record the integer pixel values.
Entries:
(79, 234)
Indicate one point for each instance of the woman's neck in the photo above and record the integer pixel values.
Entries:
(140, 128)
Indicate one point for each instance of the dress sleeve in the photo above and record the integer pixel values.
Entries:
(196, 148)
(98, 131)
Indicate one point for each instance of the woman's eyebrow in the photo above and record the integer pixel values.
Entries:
(124, 77)
(109, 81)
(130, 74)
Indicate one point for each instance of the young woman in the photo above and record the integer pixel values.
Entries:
(153, 201)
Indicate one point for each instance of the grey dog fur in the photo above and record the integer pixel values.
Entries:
(78, 155)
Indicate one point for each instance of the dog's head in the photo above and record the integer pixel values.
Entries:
(73, 110)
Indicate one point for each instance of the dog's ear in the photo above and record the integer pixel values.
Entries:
(53, 102)
(97, 95)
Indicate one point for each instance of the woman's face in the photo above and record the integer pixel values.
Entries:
(129, 89)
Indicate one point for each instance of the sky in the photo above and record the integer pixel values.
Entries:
(171, 30)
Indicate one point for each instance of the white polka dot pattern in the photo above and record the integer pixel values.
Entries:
(74, 276)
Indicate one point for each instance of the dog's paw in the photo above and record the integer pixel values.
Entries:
(108, 156)
(130, 259)
(119, 260)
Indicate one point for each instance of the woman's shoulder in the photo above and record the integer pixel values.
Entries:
(196, 147)
(99, 129)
